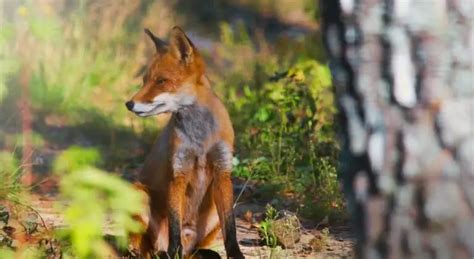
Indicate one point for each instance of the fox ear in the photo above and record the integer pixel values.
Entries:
(159, 44)
(181, 46)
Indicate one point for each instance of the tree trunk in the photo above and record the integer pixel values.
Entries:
(402, 72)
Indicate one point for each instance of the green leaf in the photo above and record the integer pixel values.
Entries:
(113, 199)
(75, 158)
(324, 75)
(262, 114)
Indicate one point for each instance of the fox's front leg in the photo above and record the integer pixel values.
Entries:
(221, 157)
(183, 163)
(177, 189)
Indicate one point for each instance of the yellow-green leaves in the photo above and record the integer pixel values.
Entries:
(75, 158)
(93, 201)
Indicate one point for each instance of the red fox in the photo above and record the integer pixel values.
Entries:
(187, 175)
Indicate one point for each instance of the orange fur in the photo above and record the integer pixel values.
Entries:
(198, 198)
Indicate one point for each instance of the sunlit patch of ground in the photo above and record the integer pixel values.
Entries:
(339, 242)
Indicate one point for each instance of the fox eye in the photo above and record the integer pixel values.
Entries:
(160, 81)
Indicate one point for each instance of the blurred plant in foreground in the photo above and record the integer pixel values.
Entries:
(93, 203)
(94, 199)
(9, 175)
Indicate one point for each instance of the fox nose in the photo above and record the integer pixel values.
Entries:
(129, 105)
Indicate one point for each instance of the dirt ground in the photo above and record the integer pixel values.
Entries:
(337, 244)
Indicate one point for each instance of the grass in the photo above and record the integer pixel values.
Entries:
(266, 227)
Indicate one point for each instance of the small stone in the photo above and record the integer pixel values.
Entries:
(287, 230)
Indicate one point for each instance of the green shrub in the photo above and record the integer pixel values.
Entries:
(75, 157)
(282, 106)
(285, 134)
(94, 199)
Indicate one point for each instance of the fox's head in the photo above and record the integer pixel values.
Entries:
(172, 77)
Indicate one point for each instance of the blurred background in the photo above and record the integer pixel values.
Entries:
(67, 68)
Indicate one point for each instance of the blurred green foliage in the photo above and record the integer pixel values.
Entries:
(10, 174)
(16, 140)
(27, 253)
(75, 158)
(6, 253)
(8, 61)
(93, 198)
